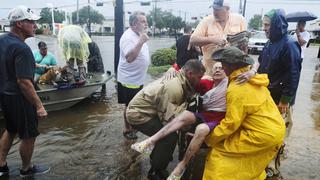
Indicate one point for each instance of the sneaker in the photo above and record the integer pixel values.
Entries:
(4, 170)
(33, 170)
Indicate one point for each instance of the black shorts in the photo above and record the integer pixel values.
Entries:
(20, 116)
(126, 94)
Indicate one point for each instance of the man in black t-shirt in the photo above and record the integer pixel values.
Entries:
(182, 44)
(20, 104)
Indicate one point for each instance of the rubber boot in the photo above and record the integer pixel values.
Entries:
(82, 74)
(70, 75)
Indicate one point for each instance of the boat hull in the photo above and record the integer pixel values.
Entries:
(55, 99)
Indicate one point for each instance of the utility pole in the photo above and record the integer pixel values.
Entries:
(244, 8)
(52, 18)
(154, 18)
(89, 20)
(77, 11)
(240, 7)
(118, 24)
(70, 16)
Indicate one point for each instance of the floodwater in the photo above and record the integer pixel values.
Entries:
(86, 142)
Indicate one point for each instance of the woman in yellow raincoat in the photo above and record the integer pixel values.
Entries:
(250, 135)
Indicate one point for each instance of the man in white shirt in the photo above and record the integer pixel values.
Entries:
(133, 64)
(302, 36)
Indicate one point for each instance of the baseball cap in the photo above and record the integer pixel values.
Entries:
(21, 13)
(238, 39)
(232, 55)
(219, 4)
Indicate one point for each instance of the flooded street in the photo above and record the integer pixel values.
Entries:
(304, 142)
(86, 142)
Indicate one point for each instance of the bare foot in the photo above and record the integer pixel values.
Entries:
(144, 147)
(179, 170)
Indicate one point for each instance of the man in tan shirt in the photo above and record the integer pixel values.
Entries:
(212, 31)
(159, 102)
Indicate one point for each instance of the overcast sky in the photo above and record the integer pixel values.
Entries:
(184, 8)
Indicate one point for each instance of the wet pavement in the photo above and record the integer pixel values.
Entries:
(304, 142)
(86, 142)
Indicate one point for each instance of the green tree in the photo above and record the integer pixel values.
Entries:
(176, 23)
(193, 24)
(255, 22)
(46, 16)
(158, 18)
(95, 16)
(165, 19)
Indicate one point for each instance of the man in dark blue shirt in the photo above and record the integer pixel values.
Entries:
(20, 104)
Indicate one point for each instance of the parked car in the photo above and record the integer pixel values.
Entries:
(257, 42)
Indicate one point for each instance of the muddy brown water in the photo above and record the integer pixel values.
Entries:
(85, 141)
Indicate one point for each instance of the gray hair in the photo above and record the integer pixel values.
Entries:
(134, 17)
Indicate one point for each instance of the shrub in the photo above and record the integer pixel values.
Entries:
(157, 71)
(174, 47)
(165, 56)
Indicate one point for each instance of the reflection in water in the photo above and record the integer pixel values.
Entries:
(315, 96)
(85, 141)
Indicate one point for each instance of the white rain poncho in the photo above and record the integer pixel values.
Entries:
(74, 43)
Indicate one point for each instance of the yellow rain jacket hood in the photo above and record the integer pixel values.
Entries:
(249, 136)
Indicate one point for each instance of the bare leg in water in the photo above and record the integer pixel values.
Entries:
(184, 119)
(202, 130)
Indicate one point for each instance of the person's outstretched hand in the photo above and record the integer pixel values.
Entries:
(283, 107)
(246, 76)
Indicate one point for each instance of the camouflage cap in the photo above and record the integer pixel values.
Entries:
(238, 39)
(232, 55)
